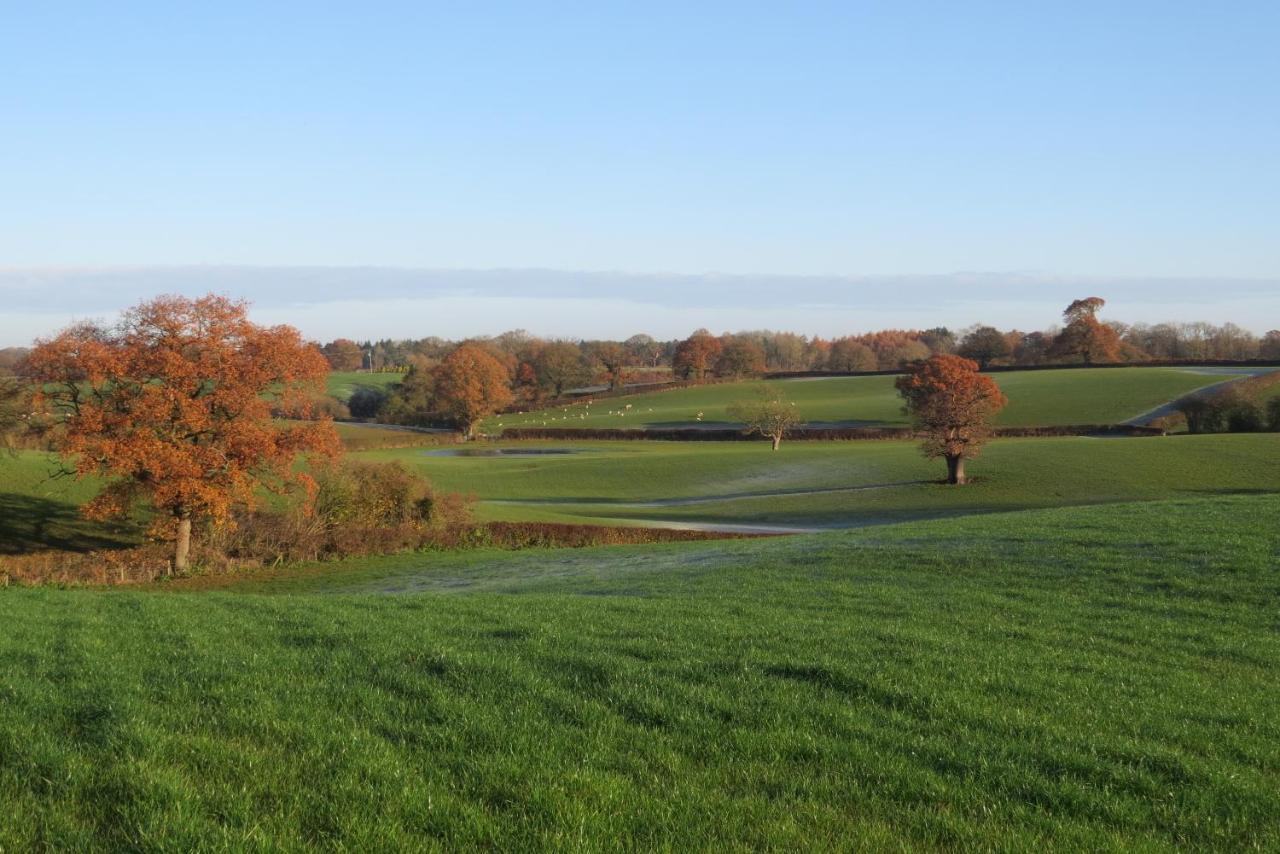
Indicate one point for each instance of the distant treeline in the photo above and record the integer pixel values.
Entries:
(539, 369)
(530, 370)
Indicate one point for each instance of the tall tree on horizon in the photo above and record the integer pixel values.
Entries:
(1085, 337)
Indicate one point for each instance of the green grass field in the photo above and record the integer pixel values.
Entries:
(1037, 398)
(39, 509)
(841, 483)
(342, 385)
(1077, 651)
(1087, 678)
(806, 485)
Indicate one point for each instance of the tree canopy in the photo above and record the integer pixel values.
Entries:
(952, 405)
(173, 406)
(470, 385)
(769, 415)
(1085, 337)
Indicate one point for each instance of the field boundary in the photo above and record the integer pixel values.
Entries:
(813, 434)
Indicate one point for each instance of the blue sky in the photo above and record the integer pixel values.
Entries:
(1125, 140)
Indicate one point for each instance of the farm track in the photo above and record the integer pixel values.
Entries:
(1171, 408)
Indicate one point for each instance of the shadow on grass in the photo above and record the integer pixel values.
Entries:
(31, 524)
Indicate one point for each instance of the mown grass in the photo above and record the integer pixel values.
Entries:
(1037, 398)
(855, 483)
(1075, 679)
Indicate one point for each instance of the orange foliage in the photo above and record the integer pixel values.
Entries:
(695, 356)
(343, 355)
(894, 348)
(952, 404)
(1085, 337)
(173, 405)
(471, 384)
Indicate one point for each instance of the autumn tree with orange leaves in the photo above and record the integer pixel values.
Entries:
(952, 405)
(1085, 337)
(172, 406)
(471, 384)
(696, 356)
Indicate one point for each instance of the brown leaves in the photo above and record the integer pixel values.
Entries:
(471, 384)
(951, 403)
(174, 404)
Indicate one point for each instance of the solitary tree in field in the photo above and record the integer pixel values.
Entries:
(470, 385)
(1085, 337)
(769, 415)
(173, 406)
(952, 405)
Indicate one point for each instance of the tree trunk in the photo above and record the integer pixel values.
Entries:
(777, 442)
(955, 470)
(182, 550)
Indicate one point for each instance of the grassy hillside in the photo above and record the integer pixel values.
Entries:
(39, 509)
(805, 485)
(849, 483)
(1081, 678)
(342, 385)
(1037, 398)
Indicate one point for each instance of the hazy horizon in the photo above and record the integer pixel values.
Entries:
(383, 302)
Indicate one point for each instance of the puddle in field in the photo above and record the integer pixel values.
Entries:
(505, 452)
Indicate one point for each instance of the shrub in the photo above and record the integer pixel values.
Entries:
(1170, 423)
(356, 509)
(367, 402)
(528, 535)
(1204, 415)
(1243, 416)
(1273, 415)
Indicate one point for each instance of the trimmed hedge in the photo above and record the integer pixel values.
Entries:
(524, 535)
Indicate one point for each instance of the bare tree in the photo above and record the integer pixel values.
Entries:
(769, 415)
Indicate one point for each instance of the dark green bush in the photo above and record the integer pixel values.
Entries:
(367, 402)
